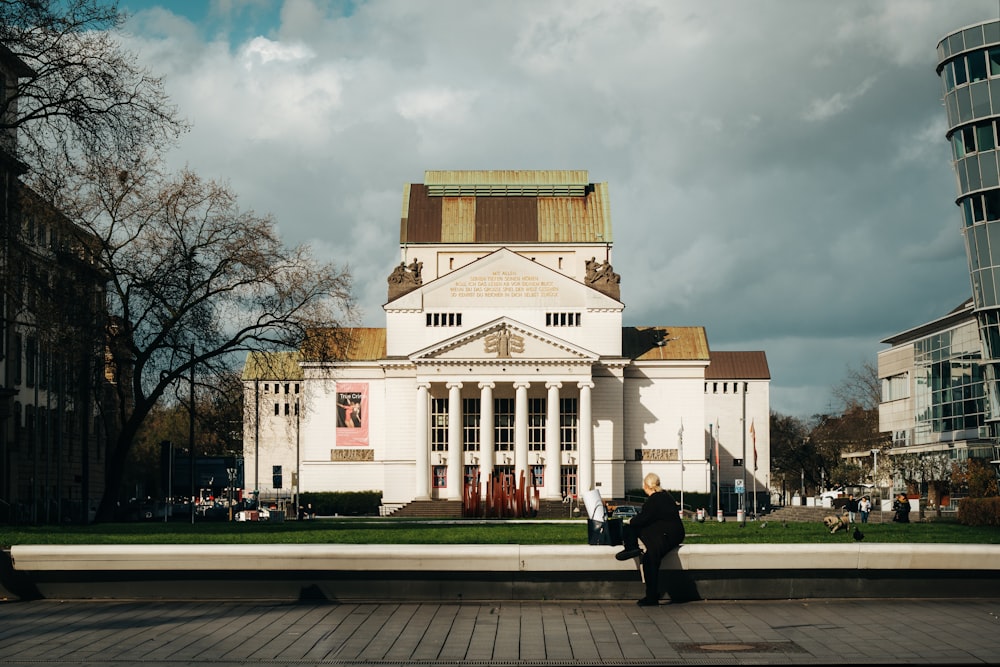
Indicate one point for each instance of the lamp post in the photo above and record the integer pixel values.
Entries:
(231, 472)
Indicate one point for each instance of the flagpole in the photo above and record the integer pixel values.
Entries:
(753, 436)
(718, 482)
(680, 451)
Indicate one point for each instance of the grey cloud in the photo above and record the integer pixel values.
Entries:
(777, 169)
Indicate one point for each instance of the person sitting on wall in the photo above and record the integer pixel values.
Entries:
(658, 524)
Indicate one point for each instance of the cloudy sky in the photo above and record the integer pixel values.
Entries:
(777, 169)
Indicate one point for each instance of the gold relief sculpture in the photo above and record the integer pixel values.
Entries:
(503, 343)
(352, 455)
(656, 455)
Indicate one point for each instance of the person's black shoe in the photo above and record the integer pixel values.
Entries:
(628, 553)
(646, 602)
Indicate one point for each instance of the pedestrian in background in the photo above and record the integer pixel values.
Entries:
(901, 509)
(865, 508)
(851, 506)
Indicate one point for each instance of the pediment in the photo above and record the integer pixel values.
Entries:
(504, 340)
(504, 279)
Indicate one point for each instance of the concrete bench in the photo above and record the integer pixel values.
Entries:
(340, 572)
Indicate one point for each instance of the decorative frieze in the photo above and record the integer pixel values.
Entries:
(352, 455)
(656, 455)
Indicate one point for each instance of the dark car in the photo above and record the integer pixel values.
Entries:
(624, 512)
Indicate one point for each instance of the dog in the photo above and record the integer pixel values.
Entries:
(835, 523)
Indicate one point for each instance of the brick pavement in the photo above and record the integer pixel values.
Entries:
(224, 634)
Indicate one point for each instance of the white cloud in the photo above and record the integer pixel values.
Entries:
(438, 105)
(777, 169)
(261, 50)
(823, 109)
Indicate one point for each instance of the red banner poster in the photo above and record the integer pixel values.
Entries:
(352, 414)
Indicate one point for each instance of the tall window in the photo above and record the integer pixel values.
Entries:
(31, 357)
(276, 477)
(896, 387)
(470, 424)
(440, 477)
(439, 424)
(444, 319)
(538, 475)
(568, 420)
(504, 474)
(503, 424)
(562, 319)
(536, 424)
(567, 481)
(17, 358)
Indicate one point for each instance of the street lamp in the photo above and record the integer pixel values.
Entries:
(229, 491)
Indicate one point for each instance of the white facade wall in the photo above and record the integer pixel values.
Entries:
(724, 405)
(268, 405)
(660, 399)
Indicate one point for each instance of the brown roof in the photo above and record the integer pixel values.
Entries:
(665, 343)
(345, 344)
(738, 366)
(272, 366)
(513, 206)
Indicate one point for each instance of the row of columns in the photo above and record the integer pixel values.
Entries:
(553, 454)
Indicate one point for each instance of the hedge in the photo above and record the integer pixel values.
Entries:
(344, 503)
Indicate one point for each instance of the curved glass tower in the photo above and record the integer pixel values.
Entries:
(969, 67)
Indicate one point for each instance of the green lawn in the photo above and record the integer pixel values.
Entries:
(396, 531)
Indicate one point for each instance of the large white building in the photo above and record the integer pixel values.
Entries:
(504, 353)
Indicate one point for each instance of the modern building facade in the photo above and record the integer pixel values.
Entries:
(933, 388)
(504, 356)
(969, 67)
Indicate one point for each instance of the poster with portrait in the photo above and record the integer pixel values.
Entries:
(352, 414)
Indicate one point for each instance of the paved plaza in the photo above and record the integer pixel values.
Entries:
(223, 634)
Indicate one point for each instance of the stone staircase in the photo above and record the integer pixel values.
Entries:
(452, 509)
(430, 509)
(806, 514)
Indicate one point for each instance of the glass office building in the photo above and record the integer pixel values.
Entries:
(969, 67)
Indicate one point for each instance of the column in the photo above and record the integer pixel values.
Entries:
(486, 445)
(520, 429)
(456, 472)
(585, 475)
(553, 449)
(421, 446)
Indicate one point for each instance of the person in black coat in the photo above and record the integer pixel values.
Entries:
(901, 509)
(851, 507)
(661, 530)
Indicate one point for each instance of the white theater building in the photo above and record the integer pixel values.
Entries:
(504, 352)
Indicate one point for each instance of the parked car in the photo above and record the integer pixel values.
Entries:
(624, 512)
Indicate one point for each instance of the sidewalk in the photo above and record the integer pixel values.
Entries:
(226, 634)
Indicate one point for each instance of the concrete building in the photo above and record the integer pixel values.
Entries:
(52, 356)
(504, 354)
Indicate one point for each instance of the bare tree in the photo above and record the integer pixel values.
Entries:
(195, 283)
(85, 96)
(860, 388)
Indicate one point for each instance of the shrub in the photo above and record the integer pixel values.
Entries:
(979, 511)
